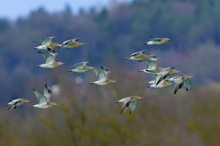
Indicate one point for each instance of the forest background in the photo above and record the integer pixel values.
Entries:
(90, 115)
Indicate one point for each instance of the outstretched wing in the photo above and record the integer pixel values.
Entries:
(47, 57)
(69, 42)
(126, 102)
(151, 65)
(13, 103)
(47, 41)
(136, 54)
(155, 39)
(187, 83)
(40, 97)
(65, 43)
(106, 71)
(176, 88)
(75, 40)
(163, 74)
(156, 78)
(47, 92)
(100, 73)
(80, 65)
(133, 105)
(124, 107)
(178, 80)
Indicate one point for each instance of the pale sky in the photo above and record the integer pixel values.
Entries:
(15, 8)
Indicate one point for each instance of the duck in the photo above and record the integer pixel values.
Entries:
(180, 81)
(44, 99)
(102, 75)
(138, 56)
(81, 67)
(163, 74)
(151, 65)
(72, 43)
(50, 59)
(163, 84)
(153, 83)
(16, 102)
(130, 102)
(47, 43)
(157, 41)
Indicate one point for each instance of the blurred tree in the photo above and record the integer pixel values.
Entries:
(4, 25)
(89, 115)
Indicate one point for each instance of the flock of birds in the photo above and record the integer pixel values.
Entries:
(161, 76)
